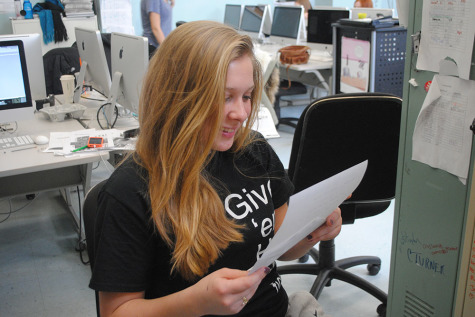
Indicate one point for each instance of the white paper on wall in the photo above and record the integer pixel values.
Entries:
(116, 16)
(448, 30)
(442, 136)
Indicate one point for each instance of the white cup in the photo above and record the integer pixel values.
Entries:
(67, 82)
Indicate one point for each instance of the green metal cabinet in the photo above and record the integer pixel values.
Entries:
(433, 224)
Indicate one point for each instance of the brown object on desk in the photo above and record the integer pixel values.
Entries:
(363, 4)
(294, 54)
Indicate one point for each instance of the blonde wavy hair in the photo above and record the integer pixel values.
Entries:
(180, 116)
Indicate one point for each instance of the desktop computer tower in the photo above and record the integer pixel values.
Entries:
(386, 56)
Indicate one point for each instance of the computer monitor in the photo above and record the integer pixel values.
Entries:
(288, 25)
(256, 21)
(129, 63)
(34, 62)
(372, 13)
(94, 70)
(320, 30)
(15, 97)
(232, 15)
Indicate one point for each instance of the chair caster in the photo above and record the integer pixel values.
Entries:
(381, 310)
(304, 258)
(373, 269)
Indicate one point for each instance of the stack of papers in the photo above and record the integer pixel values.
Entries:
(65, 143)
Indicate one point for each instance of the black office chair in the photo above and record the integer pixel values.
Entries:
(333, 134)
(89, 215)
(296, 88)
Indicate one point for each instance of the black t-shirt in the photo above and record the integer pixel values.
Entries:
(132, 257)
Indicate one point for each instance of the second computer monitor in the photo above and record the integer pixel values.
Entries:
(129, 63)
(94, 68)
(15, 97)
(34, 62)
(232, 15)
(319, 29)
(256, 21)
(288, 25)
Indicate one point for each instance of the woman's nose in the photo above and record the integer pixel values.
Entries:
(239, 111)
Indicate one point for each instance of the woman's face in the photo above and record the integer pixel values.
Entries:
(237, 105)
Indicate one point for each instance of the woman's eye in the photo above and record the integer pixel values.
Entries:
(247, 97)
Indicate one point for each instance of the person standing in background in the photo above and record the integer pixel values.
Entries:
(156, 19)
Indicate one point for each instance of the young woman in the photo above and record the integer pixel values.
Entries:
(196, 204)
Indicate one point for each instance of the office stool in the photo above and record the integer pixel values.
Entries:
(296, 88)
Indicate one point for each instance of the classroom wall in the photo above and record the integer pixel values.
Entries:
(192, 10)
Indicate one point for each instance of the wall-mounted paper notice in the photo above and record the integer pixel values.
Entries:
(309, 209)
(448, 29)
(442, 138)
(117, 16)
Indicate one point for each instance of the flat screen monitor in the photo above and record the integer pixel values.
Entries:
(94, 69)
(372, 13)
(129, 63)
(256, 21)
(232, 15)
(288, 25)
(34, 62)
(319, 29)
(15, 97)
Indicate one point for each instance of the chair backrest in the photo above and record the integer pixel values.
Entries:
(339, 131)
(89, 215)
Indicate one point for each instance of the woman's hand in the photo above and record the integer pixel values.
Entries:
(224, 292)
(329, 230)
(227, 291)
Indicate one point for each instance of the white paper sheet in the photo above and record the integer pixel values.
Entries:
(63, 143)
(117, 16)
(265, 124)
(309, 209)
(442, 138)
(448, 29)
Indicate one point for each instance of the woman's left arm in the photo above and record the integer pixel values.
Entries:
(329, 230)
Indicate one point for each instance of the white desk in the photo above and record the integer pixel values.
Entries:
(309, 73)
(31, 170)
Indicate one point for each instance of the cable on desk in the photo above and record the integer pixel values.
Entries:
(4, 129)
(102, 109)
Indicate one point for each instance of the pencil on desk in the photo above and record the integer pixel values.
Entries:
(80, 148)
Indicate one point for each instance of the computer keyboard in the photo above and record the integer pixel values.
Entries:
(15, 141)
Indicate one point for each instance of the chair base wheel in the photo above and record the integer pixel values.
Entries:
(304, 258)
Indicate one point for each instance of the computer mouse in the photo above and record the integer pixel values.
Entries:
(41, 139)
